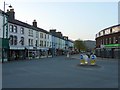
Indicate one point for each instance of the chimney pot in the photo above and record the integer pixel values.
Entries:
(34, 23)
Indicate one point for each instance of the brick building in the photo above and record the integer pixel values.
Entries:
(108, 42)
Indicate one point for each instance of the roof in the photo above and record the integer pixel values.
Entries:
(3, 12)
(17, 22)
(110, 27)
(70, 40)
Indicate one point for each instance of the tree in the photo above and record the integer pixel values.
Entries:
(80, 45)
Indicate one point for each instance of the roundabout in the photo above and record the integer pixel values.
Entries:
(89, 67)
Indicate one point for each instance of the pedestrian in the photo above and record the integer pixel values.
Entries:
(33, 55)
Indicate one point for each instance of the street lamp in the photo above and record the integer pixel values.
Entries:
(4, 24)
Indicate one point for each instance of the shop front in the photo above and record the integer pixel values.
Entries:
(16, 53)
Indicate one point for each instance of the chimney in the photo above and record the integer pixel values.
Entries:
(11, 14)
(52, 30)
(34, 23)
(59, 34)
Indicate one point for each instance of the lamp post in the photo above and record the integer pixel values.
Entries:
(4, 24)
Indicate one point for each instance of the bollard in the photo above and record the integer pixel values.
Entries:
(86, 59)
(93, 59)
(68, 55)
(82, 60)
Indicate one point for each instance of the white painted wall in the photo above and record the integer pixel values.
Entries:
(1, 25)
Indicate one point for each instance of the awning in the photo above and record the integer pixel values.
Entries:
(17, 48)
(44, 49)
(29, 47)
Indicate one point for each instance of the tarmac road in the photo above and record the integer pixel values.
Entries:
(59, 72)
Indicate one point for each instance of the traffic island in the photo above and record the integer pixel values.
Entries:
(89, 66)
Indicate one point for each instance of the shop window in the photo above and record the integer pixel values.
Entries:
(114, 39)
(106, 41)
(110, 41)
(101, 42)
(119, 39)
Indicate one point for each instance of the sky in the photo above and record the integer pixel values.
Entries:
(77, 19)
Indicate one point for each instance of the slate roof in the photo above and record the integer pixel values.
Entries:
(17, 22)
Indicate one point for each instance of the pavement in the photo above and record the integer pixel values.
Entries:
(59, 72)
(0, 76)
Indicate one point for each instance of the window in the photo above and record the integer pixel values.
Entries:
(50, 44)
(101, 33)
(107, 31)
(36, 43)
(22, 30)
(114, 39)
(37, 34)
(15, 40)
(45, 44)
(41, 35)
(106, 41)
(119, 40)
(45, 36)
(48, 36)
(116, 29)
(30, 32)
(41, 43)
(11, 40)
(101, 42)
(110, 41)
(22, 41)
(15, 29)
(11, 28)
(30, 42)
